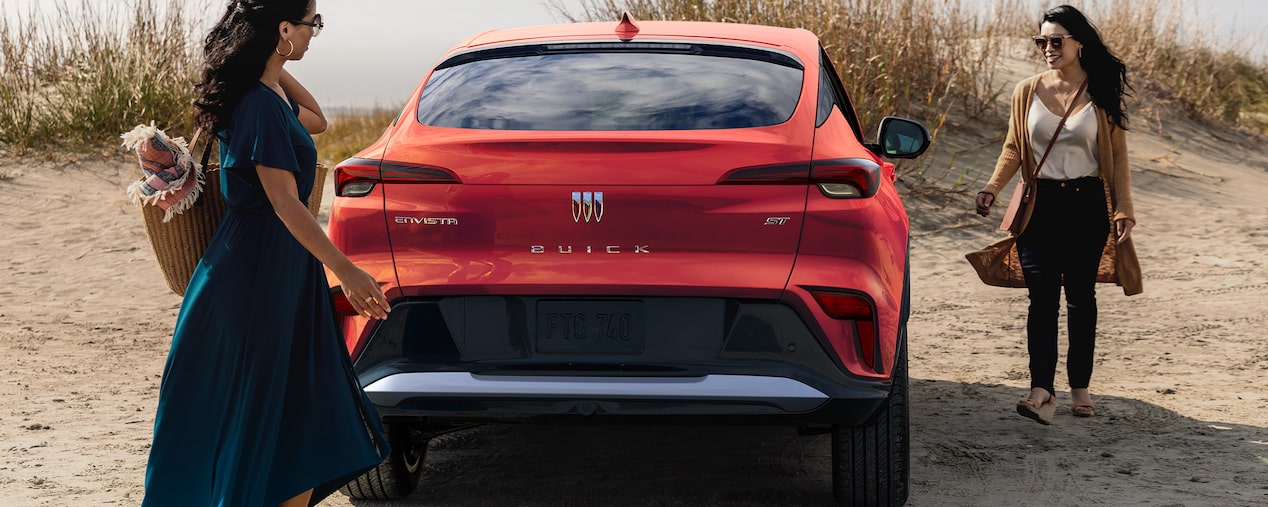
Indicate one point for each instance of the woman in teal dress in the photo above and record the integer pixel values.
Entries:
(259, 405)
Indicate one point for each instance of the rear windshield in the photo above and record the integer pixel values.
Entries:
(613, 87)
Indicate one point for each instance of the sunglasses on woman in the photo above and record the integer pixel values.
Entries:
(1056, 40)
(318, 25)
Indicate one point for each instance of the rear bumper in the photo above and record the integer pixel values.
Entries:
(474, 359)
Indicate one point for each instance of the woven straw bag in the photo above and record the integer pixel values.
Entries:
(180, 242)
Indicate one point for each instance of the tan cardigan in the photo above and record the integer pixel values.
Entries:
(1119, 263)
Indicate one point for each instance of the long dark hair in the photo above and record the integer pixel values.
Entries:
(236, 53)
(1107, 75)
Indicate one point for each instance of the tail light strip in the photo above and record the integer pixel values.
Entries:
(356, 177)
(843, 178)
(847, 177)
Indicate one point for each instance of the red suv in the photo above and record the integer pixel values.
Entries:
(661, 221)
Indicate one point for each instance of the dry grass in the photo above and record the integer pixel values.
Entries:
(351, 130)
(932, 58)
(135, 62)
(1179, 61)
(1176, 58)
(78, 77)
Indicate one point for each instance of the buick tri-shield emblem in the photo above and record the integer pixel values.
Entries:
(587, 206)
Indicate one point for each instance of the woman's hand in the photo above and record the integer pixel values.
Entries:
(363, 292)
(1124, 229)
(984, 202)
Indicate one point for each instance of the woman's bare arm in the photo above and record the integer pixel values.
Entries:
(310, 115)
(361, 289)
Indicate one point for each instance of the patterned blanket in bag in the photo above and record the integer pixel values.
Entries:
(172, 180)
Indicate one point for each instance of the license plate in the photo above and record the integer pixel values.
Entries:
(590, 327)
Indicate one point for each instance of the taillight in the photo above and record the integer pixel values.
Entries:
(846, 178)
(860, 320)
(844, 305)
(781, 174)
(342, 307)
(356, 177)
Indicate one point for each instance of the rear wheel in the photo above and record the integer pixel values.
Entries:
(871, 463)
(399, 475)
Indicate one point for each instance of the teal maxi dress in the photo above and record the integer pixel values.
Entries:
(259, 401)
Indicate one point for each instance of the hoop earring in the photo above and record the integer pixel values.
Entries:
(288, 53)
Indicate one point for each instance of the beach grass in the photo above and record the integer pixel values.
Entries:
(1185, 61)
(76, 78)
(73, 79)
(350, 130)
(929, 59)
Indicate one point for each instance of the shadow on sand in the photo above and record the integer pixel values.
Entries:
(969, 448)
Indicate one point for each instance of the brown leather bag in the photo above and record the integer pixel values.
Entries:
(1023, 192)
(1013, 215)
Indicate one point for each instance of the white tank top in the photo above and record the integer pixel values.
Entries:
(1074, 153)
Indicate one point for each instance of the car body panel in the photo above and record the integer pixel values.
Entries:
(665, 222)
(674, 221)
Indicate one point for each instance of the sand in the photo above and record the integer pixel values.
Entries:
(1181, 370)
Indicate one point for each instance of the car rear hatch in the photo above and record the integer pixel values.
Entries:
(585, 170)
(629, 216)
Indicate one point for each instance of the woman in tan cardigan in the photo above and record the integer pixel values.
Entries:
(1083, 194)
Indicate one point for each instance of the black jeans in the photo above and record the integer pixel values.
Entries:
(1062, 245)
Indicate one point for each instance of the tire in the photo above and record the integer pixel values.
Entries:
(399, 475)
(871, 463)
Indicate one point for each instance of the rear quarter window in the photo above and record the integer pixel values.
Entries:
(613, 87)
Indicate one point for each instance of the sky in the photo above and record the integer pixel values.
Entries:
(366, 58)
(374, 52)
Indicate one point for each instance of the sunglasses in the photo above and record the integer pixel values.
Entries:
(1042, 41)
(318, 25)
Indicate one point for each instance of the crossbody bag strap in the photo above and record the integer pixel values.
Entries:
(1068, 110)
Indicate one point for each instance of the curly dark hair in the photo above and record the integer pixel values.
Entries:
(236, 52)
(1107, 74)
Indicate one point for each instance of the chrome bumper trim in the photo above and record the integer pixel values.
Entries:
(787, 394)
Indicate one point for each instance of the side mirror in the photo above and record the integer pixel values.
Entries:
(901, 138)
